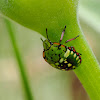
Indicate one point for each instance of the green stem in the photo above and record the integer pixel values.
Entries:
(21, 65)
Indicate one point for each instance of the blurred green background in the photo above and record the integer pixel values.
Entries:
(47, 83)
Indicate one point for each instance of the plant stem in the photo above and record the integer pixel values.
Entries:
(24, 77)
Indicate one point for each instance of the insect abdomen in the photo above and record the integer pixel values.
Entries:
(62, 57)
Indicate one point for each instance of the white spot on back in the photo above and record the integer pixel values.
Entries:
(67, 53)
(65, 62)
(69, 65)
(61, 65)
(71, 52)
(56, 63)
(78, 61)
(77, 58)
(73, 66)
(74, 55)
(61, 60)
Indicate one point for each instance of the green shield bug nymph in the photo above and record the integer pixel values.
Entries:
(59, 55)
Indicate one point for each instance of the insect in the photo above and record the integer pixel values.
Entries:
(59, 55)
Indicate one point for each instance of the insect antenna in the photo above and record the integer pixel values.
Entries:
(62, 34)
(47, 34)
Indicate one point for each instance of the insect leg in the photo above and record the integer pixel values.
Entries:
(41, 39)
(62, 34)
(72, 39)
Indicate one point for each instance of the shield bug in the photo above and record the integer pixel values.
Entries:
(60, 56)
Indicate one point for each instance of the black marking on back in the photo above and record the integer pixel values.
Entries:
(59, 47)
(59, 57)
(66, 47)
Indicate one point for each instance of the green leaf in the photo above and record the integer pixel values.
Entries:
(54, 15)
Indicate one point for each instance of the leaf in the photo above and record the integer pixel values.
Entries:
(54, 15)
